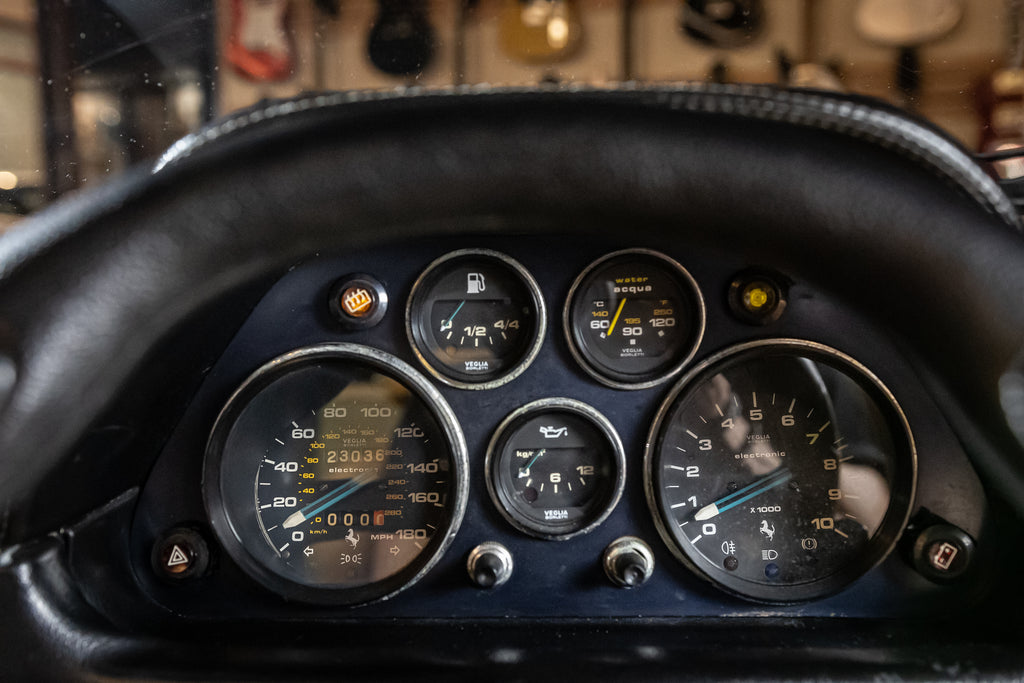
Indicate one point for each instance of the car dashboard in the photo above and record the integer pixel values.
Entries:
(558, 575)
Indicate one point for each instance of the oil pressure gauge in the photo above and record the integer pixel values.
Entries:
(555, 468)
(634, 318)
(475, 319)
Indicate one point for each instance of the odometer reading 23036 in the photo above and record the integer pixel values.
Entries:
(780, 470)
(336, 474)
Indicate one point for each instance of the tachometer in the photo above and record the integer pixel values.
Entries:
(634, 319)
(780, 470)
(475, 319)
(336, 474)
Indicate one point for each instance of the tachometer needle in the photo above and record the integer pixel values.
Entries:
(525, 471)
(447, 324)
(618, 312)
(324, 502)
(744, 494)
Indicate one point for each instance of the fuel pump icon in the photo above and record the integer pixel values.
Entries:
(475, 283)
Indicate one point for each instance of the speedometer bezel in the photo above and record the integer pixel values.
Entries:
(897, 514)
(390, 366)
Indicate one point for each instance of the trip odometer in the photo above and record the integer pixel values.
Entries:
(781, 470)
(336, 474)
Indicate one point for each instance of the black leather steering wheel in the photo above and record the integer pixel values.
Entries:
(878, 208)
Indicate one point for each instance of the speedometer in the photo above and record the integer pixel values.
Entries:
(780, 470)
(336, 474)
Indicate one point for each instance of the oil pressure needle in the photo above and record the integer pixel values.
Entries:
(525, 471)
(324, 502)
(747, 492)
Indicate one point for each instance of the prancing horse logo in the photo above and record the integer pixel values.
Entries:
(766, 530)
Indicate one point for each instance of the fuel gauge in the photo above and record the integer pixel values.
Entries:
(475, 319)
(555, 468)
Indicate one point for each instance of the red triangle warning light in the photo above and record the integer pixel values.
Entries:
(177, 557)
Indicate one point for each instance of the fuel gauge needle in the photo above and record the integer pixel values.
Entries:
(324, 502)
(447, 324)
(725, 503)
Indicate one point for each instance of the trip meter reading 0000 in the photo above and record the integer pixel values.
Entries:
(475, 319)
(780, 470)
(634, 319)
(336, 474)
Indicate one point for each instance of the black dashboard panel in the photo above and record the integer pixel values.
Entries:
(551, 578)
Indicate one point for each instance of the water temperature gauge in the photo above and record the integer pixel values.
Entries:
(634, 318)
(555, 468)
(475, 319)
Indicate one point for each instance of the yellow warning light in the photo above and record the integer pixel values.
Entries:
(756, 297)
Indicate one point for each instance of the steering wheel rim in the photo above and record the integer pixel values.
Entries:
(801, 181)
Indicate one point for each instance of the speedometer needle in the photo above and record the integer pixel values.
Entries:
(324, 502)
(447, 324)
(747, 492)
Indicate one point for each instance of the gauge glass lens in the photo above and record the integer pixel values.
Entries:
(332, 476)
(634, 318)
(555, 468)
(781, 471)
(475, 318)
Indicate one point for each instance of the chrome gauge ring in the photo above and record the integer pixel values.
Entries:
(780, 470)
(336, 474)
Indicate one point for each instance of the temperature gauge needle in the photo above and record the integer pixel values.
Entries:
(744, 494)
(324, 502)
(525, 471)
(618, 312)
(447, 324)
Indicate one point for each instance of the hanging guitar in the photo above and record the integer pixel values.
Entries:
(907, 25)
(723, 24)
(1001, 100)
(259, 47)
(401, 40)
(539, 30)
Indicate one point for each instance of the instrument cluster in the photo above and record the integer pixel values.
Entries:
(469, 439)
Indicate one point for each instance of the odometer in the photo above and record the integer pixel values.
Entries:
(780, 470)
(336, 474)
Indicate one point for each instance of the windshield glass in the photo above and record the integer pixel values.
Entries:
(91, 87)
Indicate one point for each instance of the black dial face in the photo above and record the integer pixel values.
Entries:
(555, 468)
(475, 318)
(634, 318)
(782, 471)
(330, 477)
